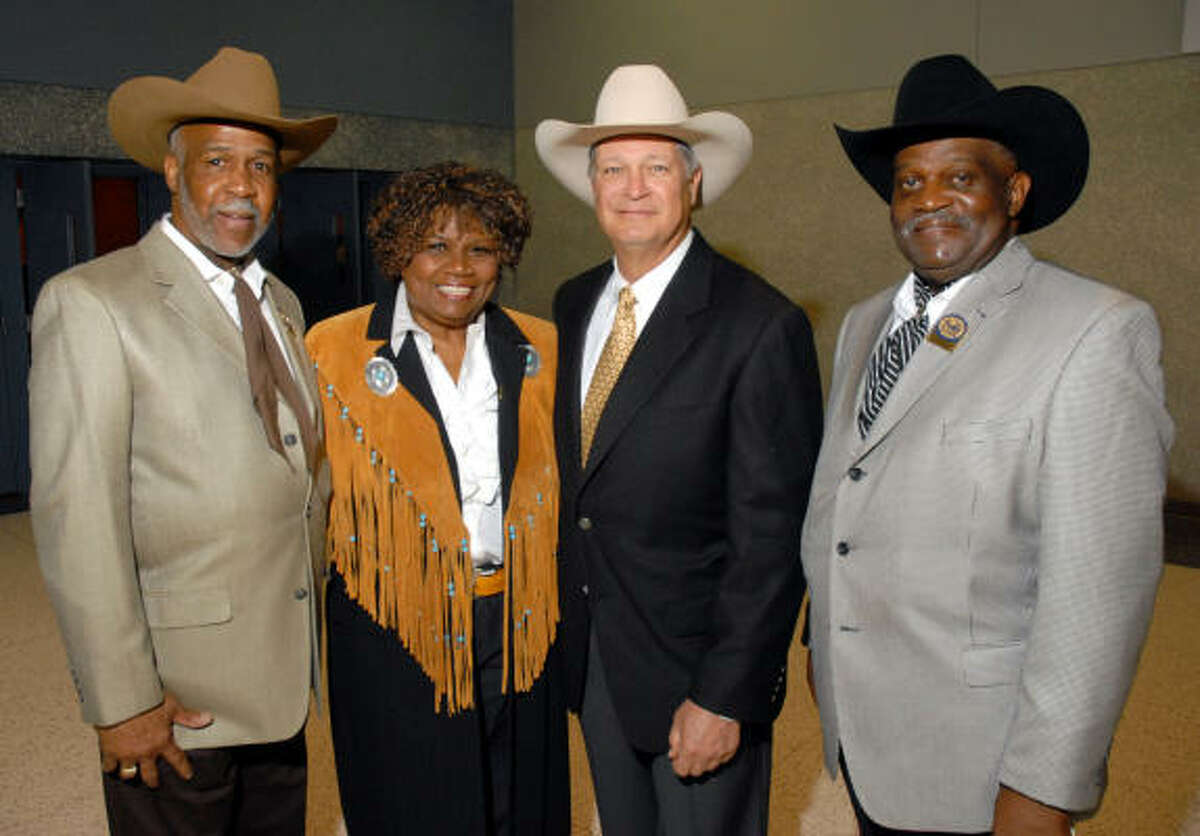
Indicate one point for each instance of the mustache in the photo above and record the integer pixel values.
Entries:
(941, 216)
(239, 204)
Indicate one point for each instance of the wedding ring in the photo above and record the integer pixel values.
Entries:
(129, 771)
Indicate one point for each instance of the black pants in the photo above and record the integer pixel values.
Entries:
(867, 827)
(639, 794)
(404, 768)
(233, 791)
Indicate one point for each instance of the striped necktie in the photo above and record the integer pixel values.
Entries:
(608, 368)
(891, 356)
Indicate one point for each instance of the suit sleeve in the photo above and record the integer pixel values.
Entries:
(1100, 557)
(775, 429)
(81, 413)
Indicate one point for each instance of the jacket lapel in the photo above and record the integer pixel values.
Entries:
(184, 293)
(293, 344)
(505, 343)
(982, 301)
(856, 352)
(506, 350)
(667, 335)
(410, 372)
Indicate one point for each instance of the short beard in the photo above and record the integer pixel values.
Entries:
(199, 224)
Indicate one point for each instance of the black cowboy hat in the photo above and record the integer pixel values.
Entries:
(946, 96)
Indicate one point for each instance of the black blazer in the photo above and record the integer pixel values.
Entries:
(680, 539)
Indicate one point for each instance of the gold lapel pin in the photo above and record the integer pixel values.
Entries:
(947, 332)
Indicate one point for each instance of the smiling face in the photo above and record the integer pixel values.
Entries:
(453, 274)
(955, 204)
(644, 199)
(223, 187)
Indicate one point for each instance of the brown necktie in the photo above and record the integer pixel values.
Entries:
(608, 368)
(268, 372)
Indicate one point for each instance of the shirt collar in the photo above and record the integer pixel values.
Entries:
(403, 322)
(649, 288)
(904, 305)
(253, 272)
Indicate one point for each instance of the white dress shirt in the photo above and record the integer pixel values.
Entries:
(470, 411)
(904, 305)
(647, 291)
(220, 282)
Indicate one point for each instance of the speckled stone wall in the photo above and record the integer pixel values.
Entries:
(55, 121)
(801, 216)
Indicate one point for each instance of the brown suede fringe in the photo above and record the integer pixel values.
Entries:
(395, 528)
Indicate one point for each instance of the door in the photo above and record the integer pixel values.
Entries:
(317, 224)
(14, 351)
(58, 218)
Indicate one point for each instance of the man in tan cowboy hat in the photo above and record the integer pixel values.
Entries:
(687, 418)
(174, 442)
(984, 535)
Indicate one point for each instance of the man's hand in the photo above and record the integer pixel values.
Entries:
(136, 744)
(1020, 815)
(700, 741)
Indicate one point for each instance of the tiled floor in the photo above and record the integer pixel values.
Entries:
(50, 784)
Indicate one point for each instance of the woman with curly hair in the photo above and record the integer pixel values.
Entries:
(442, 603)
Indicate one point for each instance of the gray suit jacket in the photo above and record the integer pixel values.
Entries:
(174, 542)
(983, 565)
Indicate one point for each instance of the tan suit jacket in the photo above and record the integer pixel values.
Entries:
(179, 550)
(983, 564)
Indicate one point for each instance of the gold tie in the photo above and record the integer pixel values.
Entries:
(268, 372)
(608, 368)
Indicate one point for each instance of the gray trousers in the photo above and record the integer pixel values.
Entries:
(638, 794)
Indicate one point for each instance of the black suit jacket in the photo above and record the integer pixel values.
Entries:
(680, 539)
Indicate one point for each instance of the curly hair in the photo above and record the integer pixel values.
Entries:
(407, 208)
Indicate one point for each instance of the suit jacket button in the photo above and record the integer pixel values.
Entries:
(584, 590)
(585, 523)
(843, 548)
(855, 473)
(301, 594)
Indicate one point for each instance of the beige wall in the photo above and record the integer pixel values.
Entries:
(721, 52)
(802, 217)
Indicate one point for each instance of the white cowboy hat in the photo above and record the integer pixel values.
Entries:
(235, 86)
(642, 99)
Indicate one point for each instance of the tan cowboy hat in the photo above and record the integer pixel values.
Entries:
(642, 99)
(234, 86)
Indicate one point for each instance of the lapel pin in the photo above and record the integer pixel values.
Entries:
(533, 360)
(381, 376)
(947, 332)
(287, 323)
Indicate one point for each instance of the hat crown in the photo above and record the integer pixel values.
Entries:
(946, 97)
(639, 94)
(239, 80)
(937, 87)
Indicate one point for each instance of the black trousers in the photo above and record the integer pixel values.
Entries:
(639, 794)
(233, 791)
(867, 827)
(404, 768)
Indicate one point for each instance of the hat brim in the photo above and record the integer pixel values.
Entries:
(142, 111)
(721, 141)
(1042, 128)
